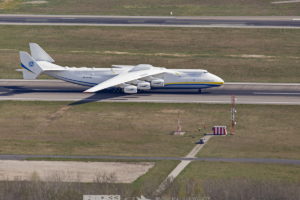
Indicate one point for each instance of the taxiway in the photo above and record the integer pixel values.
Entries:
(155, 21)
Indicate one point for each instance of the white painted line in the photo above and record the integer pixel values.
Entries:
(254, 83)
(297, 19)
(23, 80)
(278, 93)
(147, 25)
(282, 2)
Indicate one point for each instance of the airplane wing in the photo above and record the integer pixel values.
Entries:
(134, 74)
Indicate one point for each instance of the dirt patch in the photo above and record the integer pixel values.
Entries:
(58, 114)
(252, 56)
(8, 4)
(9, 50)
(35, 2)
(172, 111)
(70, 171)
(179, 55)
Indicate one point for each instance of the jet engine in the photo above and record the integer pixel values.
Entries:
(143, 85)
(130, 89)
(157, 83)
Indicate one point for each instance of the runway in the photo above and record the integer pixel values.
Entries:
(246, 93)
(157, 21)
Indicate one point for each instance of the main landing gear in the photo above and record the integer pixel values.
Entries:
(200, 91)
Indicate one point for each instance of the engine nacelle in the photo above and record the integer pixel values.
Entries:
(143, 85)
(157, 83)
(130, 89)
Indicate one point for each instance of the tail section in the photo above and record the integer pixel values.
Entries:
(39, 54)
(31, 69)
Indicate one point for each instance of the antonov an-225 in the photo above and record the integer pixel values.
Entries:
(129, 78)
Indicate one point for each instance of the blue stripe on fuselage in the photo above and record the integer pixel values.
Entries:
(75, 81)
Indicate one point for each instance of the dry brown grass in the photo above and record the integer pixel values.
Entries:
(277, 56)
(144, 129)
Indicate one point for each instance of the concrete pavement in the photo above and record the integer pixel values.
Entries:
(156, 21)
(246, 93)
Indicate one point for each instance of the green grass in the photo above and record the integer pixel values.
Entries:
(225, 52)
(149, 182)
(143, 129)
(262, 131)
(238, 181)
(153, 7)
(259, 172)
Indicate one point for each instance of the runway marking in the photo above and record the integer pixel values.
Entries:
(36, 80)
(282, 2)
(277, 93)
(147, 25)
(263, 84)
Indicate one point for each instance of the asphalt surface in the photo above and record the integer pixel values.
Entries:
(171, 21)
(246, 93)
(239, 160)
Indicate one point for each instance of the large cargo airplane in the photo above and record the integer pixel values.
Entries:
(130, 78)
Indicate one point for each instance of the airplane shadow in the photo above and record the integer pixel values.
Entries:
(98, 97)
(11, 90)
(102, 95)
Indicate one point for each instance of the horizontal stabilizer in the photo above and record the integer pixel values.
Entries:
(39, 54)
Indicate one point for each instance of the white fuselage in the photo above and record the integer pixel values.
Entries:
(184, 79)
(130, 78)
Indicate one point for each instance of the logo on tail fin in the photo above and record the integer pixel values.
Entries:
(31, 64)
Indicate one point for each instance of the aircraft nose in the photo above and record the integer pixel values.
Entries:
(217, 79)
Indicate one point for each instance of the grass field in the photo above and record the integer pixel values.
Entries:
(220, 180)
(143, 129)
(263, 131)
(209, 178)
(100, 129)
(262, 55)
(221, 170)
(152, 7)
(214, 180)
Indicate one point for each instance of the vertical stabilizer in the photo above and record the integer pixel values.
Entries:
(39, 54)
(31, 69)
